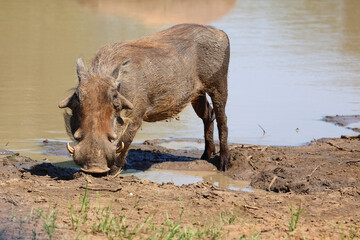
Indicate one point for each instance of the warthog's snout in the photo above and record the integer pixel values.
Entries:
(95, 169)
(98, 161)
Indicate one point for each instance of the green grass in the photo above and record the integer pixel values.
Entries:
(49, 219)
(294, 218)
(115, 226)
(352, 234)
(253, 235)
(176, 230)
(19, 222)
(105, 223)
(12, 217)
(79, 216)
(105, 218)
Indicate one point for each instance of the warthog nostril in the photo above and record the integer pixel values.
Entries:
(77, 135)
(70, 149)
(112, 137)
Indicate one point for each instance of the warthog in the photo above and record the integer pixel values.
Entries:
(150, 79)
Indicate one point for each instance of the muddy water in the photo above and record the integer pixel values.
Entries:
(186, 177)
(292, 62)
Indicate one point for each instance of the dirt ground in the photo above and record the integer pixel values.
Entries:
(320, 182)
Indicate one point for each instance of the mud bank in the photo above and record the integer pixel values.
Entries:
(321, 181)
(344, 121)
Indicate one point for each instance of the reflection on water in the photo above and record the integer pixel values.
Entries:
(188, 177)
(185, 144)
(159, 12)
(292, 62)
(289, 67)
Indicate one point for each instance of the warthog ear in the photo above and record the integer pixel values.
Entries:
(121, 69)
(69, 102)
(64, 103)
(80, 68)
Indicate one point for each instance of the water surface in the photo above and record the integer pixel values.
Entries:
(185, 177)
(292, 62)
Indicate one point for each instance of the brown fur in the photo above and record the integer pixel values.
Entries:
(150, 79)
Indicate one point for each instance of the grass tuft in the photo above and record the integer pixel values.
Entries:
(105, 222)
(79, 216)
(49, 219)
(294, 218)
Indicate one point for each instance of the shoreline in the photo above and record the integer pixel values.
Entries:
(321, 180)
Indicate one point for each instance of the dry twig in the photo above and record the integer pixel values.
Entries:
(336, 146)
(252, 147)
(353, 161)
(102, 189)
(251, 162)
(350, 137)
(341, 148)
(251, 207)
(249, 146)
(272, 182)
(118, 173)
(264, 148)
(312, 172)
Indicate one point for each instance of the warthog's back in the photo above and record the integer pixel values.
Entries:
(208, 46)
(171, 67)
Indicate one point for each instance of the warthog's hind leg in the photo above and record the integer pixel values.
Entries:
(219, 98)
(206, 113)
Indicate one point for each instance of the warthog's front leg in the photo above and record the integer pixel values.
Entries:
(127, 139)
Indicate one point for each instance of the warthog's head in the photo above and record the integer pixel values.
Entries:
(96, 105)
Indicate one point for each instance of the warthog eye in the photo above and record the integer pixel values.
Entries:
(120, 120)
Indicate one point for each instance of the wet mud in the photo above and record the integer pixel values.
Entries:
(322, 178)
(344, 121)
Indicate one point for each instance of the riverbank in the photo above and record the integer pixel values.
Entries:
(310, 192)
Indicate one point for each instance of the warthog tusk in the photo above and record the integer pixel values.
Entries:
(70, 149)
(119, 149)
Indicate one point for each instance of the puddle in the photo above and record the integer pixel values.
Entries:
(186, 145)
(176, 143)
(140, 161)
(40, 149)
(188, 177)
